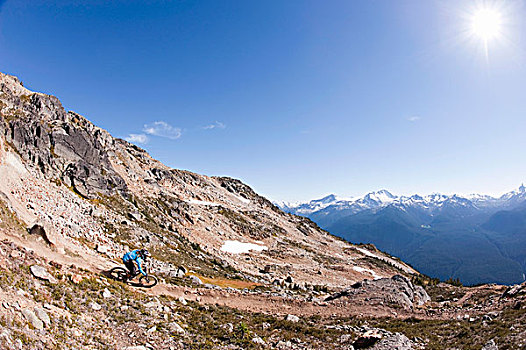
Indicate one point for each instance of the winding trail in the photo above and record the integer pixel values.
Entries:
(253, 302)
(245, 301)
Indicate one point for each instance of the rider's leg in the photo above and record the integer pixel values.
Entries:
(131, 268)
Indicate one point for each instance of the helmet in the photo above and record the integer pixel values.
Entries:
(144, 253)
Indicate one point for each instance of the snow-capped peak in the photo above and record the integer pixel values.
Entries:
(327, 199)
(383, 198)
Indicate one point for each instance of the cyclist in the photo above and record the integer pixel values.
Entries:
(135, 257)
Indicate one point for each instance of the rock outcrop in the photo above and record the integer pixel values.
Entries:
(397, 290)
(63, 145)
(380, 339)
(514, 290)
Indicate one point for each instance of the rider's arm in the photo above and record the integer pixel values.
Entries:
(139, 264)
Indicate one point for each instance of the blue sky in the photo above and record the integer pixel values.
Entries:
(296, 98)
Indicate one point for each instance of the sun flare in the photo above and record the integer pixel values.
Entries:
(486, 23)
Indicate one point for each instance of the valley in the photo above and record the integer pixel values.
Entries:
(476, 238)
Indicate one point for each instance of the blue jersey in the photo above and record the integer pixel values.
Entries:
(134, 255)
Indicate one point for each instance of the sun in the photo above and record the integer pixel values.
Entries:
(486, 24)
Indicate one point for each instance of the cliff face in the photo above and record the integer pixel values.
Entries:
(62, 145)
(128, 199)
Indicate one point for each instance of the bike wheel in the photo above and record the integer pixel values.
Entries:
(118, 273)
(148, 281)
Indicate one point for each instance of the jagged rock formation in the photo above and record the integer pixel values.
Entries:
(63, 145)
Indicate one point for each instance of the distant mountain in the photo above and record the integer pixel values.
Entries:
(477, 238)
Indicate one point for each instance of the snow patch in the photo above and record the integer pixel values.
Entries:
(362, 270)
(237, 247)
(384, 258)
(243, 200)
(366, 252)
(198, 202)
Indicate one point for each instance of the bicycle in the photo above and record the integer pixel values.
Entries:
(121, 274)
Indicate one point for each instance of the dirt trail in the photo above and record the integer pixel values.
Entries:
(265, 303)
(80, 258)
(252, 302)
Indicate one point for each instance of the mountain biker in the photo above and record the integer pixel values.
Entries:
(132, 258)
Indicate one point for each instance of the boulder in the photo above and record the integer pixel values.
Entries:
(196, 280)
(41, 273)
(380, 339)
(278, 282)
(258, 340)
(229, 327)
(177, 328)
(15, 254)
(179, 273)
(102, 249)
(95, 306)
(367, 339)
(40, 231)
(135, 216)
(106, 293)
(152, 304)
(30, 316)
(43, 316)
(5, 338)
(283, 344)
(396, 341)
(292, 318)
(490, 345)
(76, 278)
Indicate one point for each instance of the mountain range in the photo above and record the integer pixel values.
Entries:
(475, 238)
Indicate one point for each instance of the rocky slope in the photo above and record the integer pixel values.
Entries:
(91, 189)
(73, 199)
